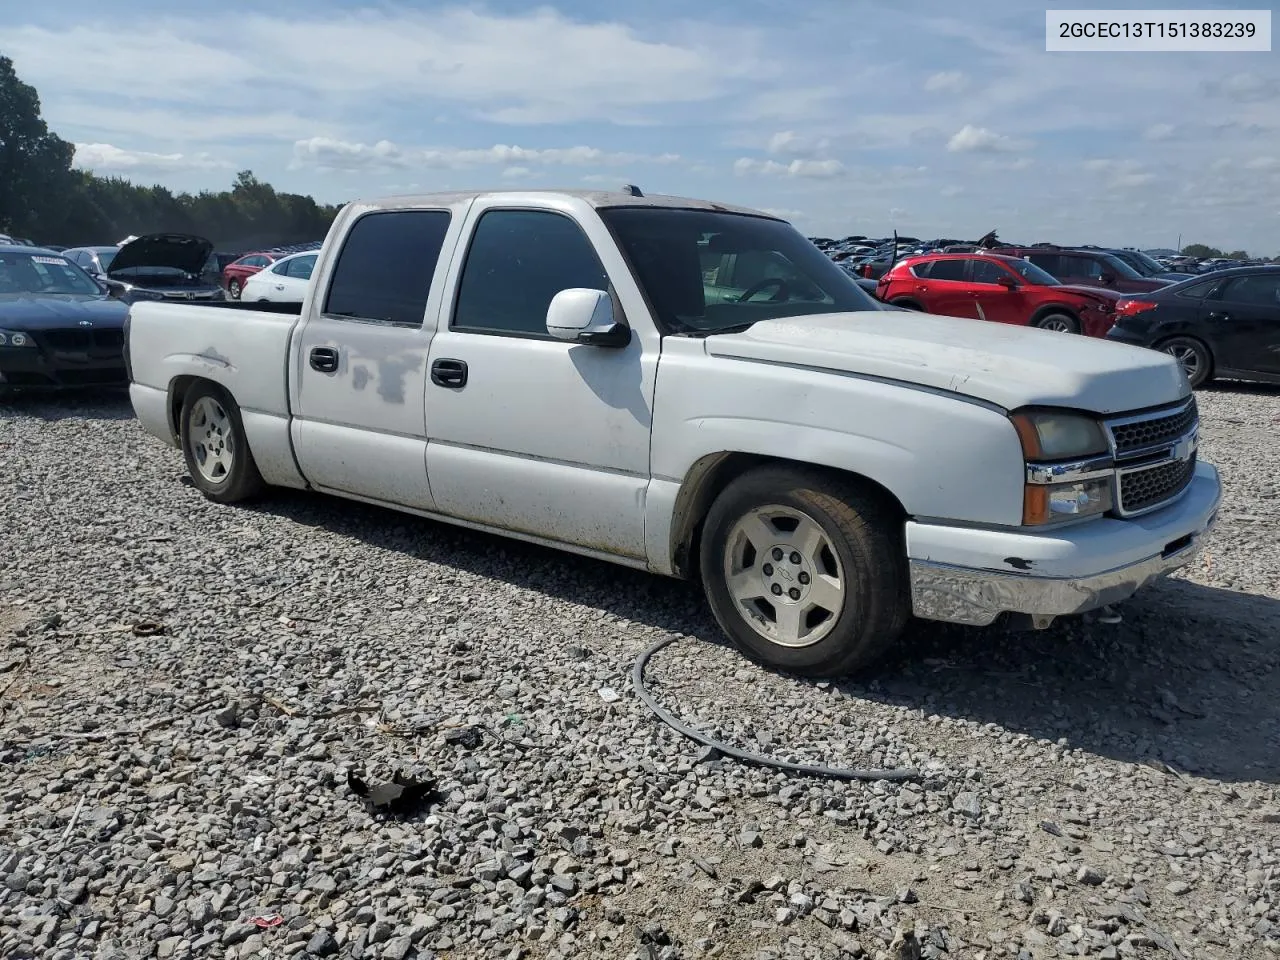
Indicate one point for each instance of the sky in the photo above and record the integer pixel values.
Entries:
(843, 116)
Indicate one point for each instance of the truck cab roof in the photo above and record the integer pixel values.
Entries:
(599, 199)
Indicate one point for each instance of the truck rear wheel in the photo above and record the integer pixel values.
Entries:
(214, 445)
(805, 573)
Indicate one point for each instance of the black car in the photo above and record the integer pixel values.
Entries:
(1223, 325)
(165, 266)
(58, 326)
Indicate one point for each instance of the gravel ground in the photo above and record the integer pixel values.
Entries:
(1094, 790)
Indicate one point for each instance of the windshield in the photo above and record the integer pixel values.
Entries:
(105, 257)
(32, 273)
(705, 272)
(1031, 273)
(1120, 268)
(1144, 264)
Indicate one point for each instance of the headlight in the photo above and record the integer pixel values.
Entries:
(12, 338)
(1074, 500)
(1069, 471)
(1047, 435)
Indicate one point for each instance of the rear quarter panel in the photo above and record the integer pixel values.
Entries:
(243, 351)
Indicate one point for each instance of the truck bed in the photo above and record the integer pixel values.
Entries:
(242, 346)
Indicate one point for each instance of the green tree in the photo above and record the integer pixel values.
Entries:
(1200, 250)
(44, 197)
(35, 165)
(1238, 255)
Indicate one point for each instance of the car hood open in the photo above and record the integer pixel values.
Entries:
(179, 251)
(1002, 364)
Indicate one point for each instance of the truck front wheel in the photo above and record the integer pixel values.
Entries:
(805, 572)
(214, 445)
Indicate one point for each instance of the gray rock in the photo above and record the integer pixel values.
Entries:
(322, 944)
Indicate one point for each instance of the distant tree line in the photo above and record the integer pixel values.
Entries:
(1204, 252)
(45, 198)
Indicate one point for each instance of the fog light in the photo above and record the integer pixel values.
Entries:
(1048, 503)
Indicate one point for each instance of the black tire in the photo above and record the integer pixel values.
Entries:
(236, 478)
(234, 289)
(906, 304)
(863, 536)
(1195, 358)
(1061, 322)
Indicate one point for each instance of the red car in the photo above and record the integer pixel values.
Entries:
(987, 286)
(235, 273)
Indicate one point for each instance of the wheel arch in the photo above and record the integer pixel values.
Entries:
(709, 476)
(1046, 309)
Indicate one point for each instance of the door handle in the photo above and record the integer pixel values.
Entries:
(324, 359)
(279, 286)
(1219, 315)
(449, 373)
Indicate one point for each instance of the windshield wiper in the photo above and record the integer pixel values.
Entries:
(736, 328)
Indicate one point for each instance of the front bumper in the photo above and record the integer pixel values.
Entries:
(972, 576)
(35, 367)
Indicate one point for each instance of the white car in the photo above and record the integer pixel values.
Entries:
(285, 281)
(695, 390)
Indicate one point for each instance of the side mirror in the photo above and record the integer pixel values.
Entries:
(1008, 283)
(581, 315)
(1108, 278)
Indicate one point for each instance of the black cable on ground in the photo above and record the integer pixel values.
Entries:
(813, 770)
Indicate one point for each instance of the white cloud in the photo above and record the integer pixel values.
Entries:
(1120, 174)
(516, 173)
(107, 159)
(812, 169)
(537, 66)
(951, 191)
(946, 81)
(1159, 131)
(1243, 86)
(971, 139)
(325, 153)
(791, 143)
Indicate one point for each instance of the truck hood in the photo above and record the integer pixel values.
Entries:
(27, 313)
(1006, 365)
(178, 251)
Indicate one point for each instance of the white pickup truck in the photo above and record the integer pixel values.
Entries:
(695, 390)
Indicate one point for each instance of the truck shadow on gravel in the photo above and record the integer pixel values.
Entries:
(81, 403)
(1190, 677)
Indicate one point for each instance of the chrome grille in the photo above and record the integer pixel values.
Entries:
(1132, 434)
(1155, 456)
(1151, 486)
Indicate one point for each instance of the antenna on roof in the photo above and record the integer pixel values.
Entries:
(632, 189)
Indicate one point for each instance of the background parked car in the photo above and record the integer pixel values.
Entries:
(238, 271)
(165, 266)
(1148, 267)
(285, 281)
(58, 326)
(1002, 289)
(1092, 268)
(1223, 325)
(92, 260)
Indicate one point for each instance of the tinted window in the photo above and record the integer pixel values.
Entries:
(1199, 290)
(947, 270)
(1079, 267)
(1050, 263)
(385, 267)
(301, 267)
(517, 262)
(1262, 291)
(921, 270)
(987, 271)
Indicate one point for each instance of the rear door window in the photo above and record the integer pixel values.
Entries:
(948, 269)
(384, 270)
(1254, 291)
